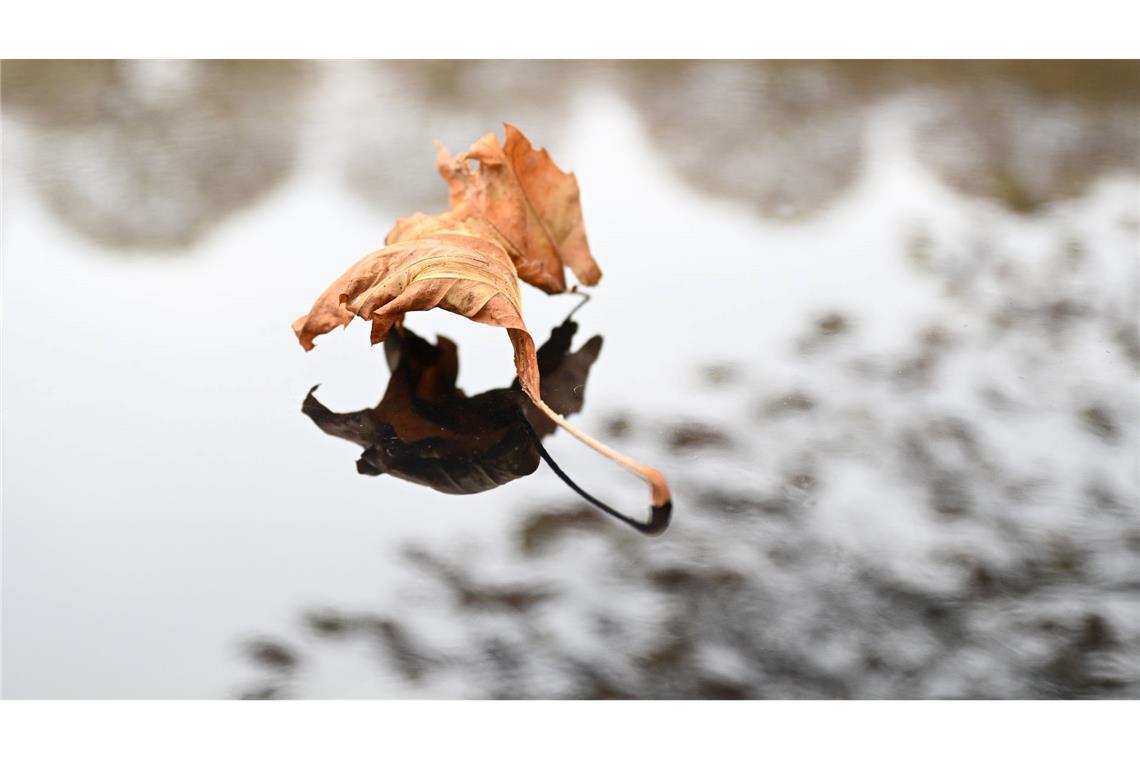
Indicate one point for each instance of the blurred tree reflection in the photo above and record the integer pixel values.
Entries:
(391, 161)
(1029, 133)
(954, 518)
(151, 154)
(784, 138)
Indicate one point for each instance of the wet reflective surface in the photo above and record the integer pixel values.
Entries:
(877, 322)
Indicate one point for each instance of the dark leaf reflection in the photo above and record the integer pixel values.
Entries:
(428, 431)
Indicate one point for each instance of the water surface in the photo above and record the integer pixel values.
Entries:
(877, 322)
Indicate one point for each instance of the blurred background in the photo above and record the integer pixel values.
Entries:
(877, 322)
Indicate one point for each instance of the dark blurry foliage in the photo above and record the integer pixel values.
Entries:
(1027, 134)
(1099, 421)
(789, 618)
(784, 138)
(720, 374)
(696, 435)
(828, 330)
(1004, 563)
(790, 403)
(152, 154)
(544, 528)
(617, 426)
(272, 655)
(390, 164)
(832, 324)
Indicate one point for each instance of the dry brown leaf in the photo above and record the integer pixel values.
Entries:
(454, 267)
(514, 214)
(554, 197)
(532, 204)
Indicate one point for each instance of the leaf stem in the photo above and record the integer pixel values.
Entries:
(659, 487)
(585, 300)
(660, 514)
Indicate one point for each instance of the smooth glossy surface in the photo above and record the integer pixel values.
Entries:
(877, 323)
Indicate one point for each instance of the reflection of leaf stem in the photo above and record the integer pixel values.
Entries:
(585, 299)
(662, 503)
